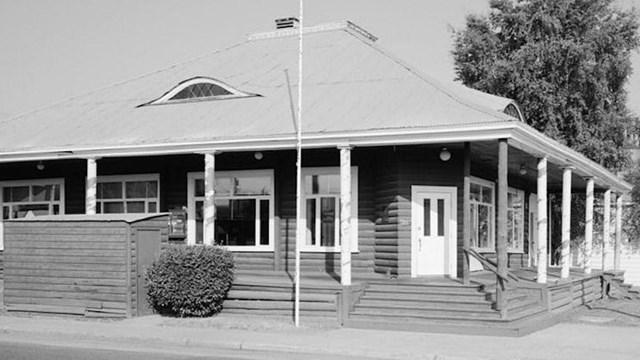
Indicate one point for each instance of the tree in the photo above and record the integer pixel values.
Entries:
(565, 62)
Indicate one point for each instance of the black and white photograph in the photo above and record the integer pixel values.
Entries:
(320, 179)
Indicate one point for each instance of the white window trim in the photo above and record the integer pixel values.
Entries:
(125, 178)
(512, 250)
(191, 206)
(51, 181)
(354, 208)
(492, 216)
(166, 98)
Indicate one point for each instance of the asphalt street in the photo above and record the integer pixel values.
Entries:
(10, 350)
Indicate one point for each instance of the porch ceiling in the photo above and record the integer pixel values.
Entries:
(484, 161)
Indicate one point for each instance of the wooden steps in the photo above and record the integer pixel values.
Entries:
(271, 293)
(444, 306)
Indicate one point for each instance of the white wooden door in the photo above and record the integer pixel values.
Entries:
(431, 217)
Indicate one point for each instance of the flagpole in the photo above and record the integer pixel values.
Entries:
(299, 230)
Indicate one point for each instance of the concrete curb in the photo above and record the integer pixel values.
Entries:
(178, 345)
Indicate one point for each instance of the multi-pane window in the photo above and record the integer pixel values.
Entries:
(322, 197)
(322, 209)
(482, 214)
(515, 220)
(128, 194)
(244, 209)
(40, 197)
(200, 90)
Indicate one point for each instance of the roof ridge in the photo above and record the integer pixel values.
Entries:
(118, 83)
(331, 26)
(438, 85)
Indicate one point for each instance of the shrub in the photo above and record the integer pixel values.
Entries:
(189, 280)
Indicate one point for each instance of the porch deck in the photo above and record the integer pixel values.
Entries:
(426, 304)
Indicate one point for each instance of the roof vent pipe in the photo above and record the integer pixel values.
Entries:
(287, 23)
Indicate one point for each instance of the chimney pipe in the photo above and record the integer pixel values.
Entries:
(287, 23)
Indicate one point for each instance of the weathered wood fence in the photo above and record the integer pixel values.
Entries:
(89, 265)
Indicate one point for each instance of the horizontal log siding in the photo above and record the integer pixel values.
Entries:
(362, 261)
(65, 266)
(422, 166)
(386, 204)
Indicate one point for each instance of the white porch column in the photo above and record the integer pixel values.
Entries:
(91, 187)
(565, 260)
(542, 221)
(209, 210)
(588, 227)
(606, 227)
(345, 215)
(617, 248)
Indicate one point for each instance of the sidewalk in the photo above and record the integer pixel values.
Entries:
(321, 338)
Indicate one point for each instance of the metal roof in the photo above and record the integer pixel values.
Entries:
(354, 92)
(349, 85)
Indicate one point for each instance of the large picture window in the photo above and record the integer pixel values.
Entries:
(244, 209)
(40, 197)
(515, 220)
(482, 214)
(128, 194)
(322, 209)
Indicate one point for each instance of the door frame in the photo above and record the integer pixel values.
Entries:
(451, 253)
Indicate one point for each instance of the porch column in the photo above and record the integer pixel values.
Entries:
(606, 227)
(588, 227)
(565, 260)
(617, 248)
(345, 214)
(209, 209)
(501, 243)
(466, 213)
(542, 221)
(91, 187)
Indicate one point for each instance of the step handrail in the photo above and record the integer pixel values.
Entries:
(490, 265)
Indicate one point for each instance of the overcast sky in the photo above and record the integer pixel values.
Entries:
(51, 50)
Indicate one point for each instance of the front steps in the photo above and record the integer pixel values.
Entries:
(444, 306)
(260, 294)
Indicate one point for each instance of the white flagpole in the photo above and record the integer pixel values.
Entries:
(299, 230)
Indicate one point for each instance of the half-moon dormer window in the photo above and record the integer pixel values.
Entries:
(199, 89)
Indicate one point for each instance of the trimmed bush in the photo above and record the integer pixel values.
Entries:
(190, 280)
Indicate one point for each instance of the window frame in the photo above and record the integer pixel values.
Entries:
(165, 99)
(492, 215)
(35, 182)
(310, 171)
(520, 193)
(192, 199)
(124, 179)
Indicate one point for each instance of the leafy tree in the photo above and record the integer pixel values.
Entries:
(565, 62)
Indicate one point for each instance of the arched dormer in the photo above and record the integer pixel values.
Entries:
(199, 89)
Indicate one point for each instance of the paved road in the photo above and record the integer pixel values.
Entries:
(32, 351)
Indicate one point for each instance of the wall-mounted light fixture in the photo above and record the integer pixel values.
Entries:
(40, 165)
(445, 154)
(523, 170)
(258, 155)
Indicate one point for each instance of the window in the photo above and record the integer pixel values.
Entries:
(515, 220)
(244, 202)
(128, 194)
(40, 197)
(321, 207)
(482, 214)
(199, 89)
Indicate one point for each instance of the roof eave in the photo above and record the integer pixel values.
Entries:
(519, 134)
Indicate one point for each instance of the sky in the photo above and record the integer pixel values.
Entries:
(51, 50)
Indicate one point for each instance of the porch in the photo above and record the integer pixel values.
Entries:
(424, 304)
